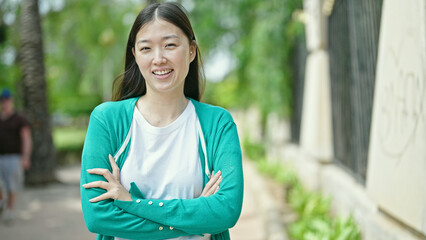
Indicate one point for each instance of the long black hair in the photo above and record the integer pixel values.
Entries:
(131, 83)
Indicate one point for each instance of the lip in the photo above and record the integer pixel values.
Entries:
(164, 76)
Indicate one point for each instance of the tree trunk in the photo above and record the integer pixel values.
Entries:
(35, 98)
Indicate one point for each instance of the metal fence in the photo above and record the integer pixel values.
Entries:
(298, 66)
(353, 34)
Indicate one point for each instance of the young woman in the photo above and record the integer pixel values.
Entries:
(157, 163)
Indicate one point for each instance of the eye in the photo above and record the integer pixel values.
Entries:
(170, 45)
(144, 49)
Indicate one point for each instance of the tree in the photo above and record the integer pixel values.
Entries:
(260, 35)
(35, 98)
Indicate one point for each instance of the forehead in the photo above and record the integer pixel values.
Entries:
(158, 28)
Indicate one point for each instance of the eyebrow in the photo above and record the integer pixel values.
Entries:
(163, 38)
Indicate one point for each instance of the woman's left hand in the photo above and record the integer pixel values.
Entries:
(113, 185)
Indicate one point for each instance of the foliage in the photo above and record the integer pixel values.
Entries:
(261, 35)
(223, 93)
(307, 203)
(84, 48)
(314, 221)
(254, 151)
(69, 138)
(325, 228)
(284, 175)
(84, 43)
(69, 144)
(8, 44)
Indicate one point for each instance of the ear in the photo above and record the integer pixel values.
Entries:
(192, 51)
(133, 51)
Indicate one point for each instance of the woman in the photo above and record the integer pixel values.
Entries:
(160, 182)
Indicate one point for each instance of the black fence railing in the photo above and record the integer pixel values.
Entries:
(353, 36)
(298, 66)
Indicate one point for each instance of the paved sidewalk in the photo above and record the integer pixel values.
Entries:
(54, 212)
(261, 217)
(49, 213)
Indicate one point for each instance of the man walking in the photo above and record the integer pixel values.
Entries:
(15, 151)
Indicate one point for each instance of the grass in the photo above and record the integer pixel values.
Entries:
(69, 144)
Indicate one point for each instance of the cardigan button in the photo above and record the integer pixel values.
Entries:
(150, 202)
(160, 228)
(138, 201)
(171, 228)
(160, 204)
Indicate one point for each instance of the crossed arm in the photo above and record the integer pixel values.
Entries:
(115, 190)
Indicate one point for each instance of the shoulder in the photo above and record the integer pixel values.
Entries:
(20, 119)
(205, 110)
(114, 115)
(112, 108)
(212, 118)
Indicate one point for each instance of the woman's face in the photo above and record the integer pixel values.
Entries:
(163, 54)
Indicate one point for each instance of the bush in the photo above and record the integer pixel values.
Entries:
(254, 151)
(314, 221)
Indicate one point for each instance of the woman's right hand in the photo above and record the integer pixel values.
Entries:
(213, 185)
(114, 189)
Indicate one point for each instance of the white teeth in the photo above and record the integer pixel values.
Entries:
(162, 72)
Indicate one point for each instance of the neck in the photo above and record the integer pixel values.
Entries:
(5, 114)
(161, 110)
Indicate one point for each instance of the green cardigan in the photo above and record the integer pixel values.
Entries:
(161, 219)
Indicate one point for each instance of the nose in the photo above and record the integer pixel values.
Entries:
(159, 57)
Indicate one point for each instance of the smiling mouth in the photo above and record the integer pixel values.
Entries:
(163, 72)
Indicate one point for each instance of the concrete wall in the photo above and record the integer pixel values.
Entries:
(397, 156)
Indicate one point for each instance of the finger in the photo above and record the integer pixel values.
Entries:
(210, 183)
(102, 171)
(217, 189)
(97, 184)
(213, 179)
(207, 188)
(204, 192)
(101, 197)
(217, 183)
(115, 169)
(210, 192)
(215, 186)
(211, 186)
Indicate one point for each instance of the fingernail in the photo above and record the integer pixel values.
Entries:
(219, 172)
(84, 185)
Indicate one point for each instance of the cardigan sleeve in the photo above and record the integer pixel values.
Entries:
(214, 214)
(104, 217)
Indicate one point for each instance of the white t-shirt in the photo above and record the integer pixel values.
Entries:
(164, 162)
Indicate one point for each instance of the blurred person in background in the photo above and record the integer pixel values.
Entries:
(15, 151)
(176, 170)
